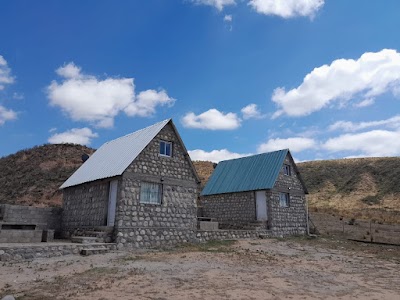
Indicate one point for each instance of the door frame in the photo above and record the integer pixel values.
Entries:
(112, 202)
(264, 192)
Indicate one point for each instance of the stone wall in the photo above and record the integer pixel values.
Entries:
(218, 235)
(44, 217)
(32, 251)
(174, 221)
(232, 208)
(85, 205)
(290, 220)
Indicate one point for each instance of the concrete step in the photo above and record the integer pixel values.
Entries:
(94, 250)
(85, 239)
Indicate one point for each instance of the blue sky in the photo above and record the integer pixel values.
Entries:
(238, 77)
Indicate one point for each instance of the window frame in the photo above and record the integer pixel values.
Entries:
(159, 196)
(287, 170)
(166, 143)
(284, 202)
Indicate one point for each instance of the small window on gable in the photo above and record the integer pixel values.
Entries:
(150, 193)
(284, 199)
(165, 148)
(286, 170)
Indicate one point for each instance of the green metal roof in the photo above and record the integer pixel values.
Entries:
(257, 172)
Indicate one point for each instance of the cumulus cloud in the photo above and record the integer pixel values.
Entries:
(228, 18)
(295, 144)
(251, 112)
(69, 71)
(6, 115)
(373, 74)
(393, 122)
(146, 102)
(81, 136)
(215, 155)
(371, 143)
(212, 119)
(218, 4)
(5, 73)
(287, 8)
(87, 98)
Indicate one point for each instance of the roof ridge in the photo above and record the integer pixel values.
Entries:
(254, 155)
(126, 135)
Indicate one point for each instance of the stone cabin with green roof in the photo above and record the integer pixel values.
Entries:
(265, 190)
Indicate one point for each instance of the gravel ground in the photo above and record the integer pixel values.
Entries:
(249, 269)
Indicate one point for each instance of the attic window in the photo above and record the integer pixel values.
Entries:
(165, 148)
(284, 199)
(286, 170)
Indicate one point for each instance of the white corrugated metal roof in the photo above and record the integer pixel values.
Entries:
(112, 158)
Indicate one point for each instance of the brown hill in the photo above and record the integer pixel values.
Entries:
(204, 170)
(366, 188)
(33, 176)
(357, 188)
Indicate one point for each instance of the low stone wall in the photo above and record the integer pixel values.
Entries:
(32, 251)
(46, 217)
(153, 237)
(204, 236)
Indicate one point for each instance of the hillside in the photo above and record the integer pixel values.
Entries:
(33, 176)
(359, 188)
(356, 188)
(204, 170)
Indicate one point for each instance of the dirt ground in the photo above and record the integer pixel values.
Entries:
(297, 268)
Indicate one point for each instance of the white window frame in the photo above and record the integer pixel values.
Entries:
(164, 148)
(284, 199)
(150, 193)
(287, 170)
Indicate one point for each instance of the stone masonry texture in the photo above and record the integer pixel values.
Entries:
(85, 205)
(173, 221)
(232, 208)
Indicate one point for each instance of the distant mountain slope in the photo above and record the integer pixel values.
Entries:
(204, 170)
(359, 187)
(33, 176)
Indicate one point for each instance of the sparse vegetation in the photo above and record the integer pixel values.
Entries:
(33, 176)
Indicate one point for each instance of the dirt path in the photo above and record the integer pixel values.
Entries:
(259, 269)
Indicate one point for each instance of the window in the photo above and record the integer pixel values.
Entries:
(150, 193)
(165, 148)
(284, 199)
(286, 170)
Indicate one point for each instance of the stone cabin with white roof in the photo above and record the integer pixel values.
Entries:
(141, 187)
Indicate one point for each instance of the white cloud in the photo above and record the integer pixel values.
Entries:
(5, 73)
(87, 98)
(147, 101)
(371, 143)
(214, 155)
(69, 70)
(251, 112)
(81, 136)
(296, 144)
(6, 115)
(373, 74)
(393, 122)
(218, 4)
(228, 18)
(212, 119)
(365, 103)
(287, 8)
